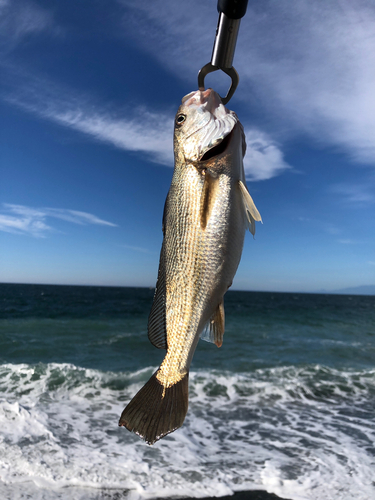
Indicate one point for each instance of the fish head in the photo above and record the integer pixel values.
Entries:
(202, 123)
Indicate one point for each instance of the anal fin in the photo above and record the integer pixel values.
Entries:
(214, 330)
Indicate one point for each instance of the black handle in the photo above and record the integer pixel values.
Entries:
(234, 9)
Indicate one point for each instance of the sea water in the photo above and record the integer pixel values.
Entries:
(287, 404)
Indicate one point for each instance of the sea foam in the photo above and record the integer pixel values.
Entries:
(302, 433)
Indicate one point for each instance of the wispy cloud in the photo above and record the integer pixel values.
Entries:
(140, 130)
(144, 131)
(32, 221)
(330, 228)
(309, 69)
(355, 194)
(348, 241)
(137, 249)
(308, 66)
(34, 226)
(315, 70)
(19, 18)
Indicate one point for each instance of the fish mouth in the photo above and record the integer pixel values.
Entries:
(200, 97)
(207, 133)
(217, 150)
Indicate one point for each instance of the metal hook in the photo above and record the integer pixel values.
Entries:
(231, 72)
(222, 53)
(230, 14)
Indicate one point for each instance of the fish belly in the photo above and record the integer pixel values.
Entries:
(200, 261)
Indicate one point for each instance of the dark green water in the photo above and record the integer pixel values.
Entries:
(106, 328)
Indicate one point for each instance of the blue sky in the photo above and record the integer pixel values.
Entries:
(88, 94)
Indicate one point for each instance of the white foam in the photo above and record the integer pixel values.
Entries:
(302, 433)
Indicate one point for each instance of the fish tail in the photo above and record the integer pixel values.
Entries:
(156, 410)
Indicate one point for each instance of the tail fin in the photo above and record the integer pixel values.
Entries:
(156, 411)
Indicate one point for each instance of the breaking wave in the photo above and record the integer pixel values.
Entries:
(302, 433)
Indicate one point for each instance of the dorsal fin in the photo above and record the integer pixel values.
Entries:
(157, 330)
(214, 330)
(165, 213)
(251, 210)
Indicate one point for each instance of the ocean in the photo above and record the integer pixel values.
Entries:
(286, 405)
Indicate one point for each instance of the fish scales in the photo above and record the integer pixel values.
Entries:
(207, 211)
(183, 275)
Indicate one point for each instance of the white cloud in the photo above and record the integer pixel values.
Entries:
(263, 159)
(23, 225)
(27, 220)
(308, 66)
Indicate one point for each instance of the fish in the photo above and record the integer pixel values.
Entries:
(206, 214)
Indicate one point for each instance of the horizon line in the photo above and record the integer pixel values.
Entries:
(341, 291)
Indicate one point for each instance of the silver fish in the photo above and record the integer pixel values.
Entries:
(206, 214)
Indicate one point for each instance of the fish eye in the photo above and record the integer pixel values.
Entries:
(180, 119)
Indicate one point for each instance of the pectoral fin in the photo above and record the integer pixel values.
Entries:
(214, 330)
(207, 197)
(251, 210)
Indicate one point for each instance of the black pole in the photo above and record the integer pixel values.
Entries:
(230, 14)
